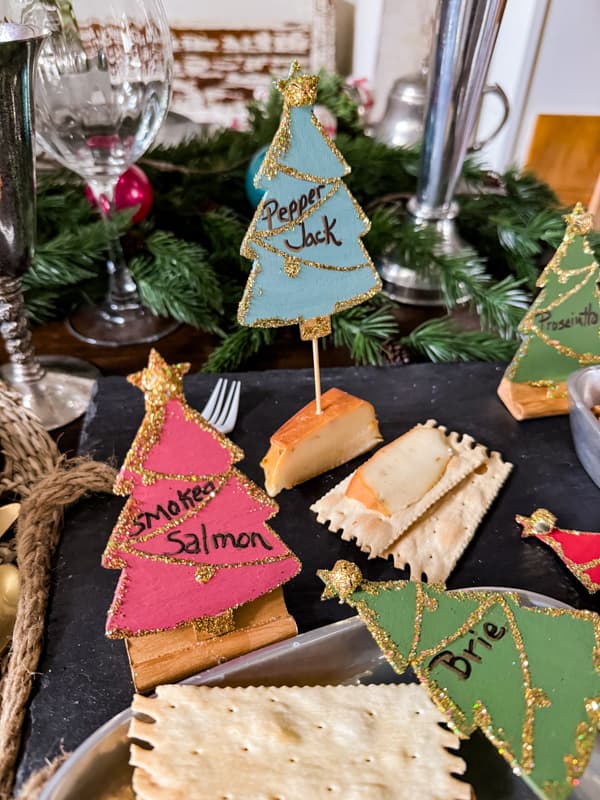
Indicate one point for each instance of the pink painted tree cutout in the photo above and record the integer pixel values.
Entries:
(192, 541)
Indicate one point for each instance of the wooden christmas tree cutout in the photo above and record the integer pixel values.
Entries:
(200, 566)
(561, 330)
(528, 678)
(309, 262)
(579, 550)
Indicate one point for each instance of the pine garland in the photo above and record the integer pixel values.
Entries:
(185, 256)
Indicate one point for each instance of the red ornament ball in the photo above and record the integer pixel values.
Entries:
(133, 189)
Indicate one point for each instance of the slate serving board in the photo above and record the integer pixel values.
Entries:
(84, 678)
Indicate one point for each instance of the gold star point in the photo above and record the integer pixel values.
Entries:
(159, 378)
(298, 89)
(579, 221)
(344, 579)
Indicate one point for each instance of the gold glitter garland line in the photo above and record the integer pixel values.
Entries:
(337, 184)
(564, 275)
(520, 355)
(307, 263)
(538, 309)
(175, 522)
(149, 435)
(182, 562)
(534, 697)
(564, 350)
(483, 720)
(275, 322)
(132, 509)
(554, 264)
(122, 633)
(279, 146)
(126, 633)
(288, 226)
(420, 607)
(585, 737)
(579, 570)
(316, 179)
(256, 237)
(150, 477)
(191, 415)
(291, 172)
(331, 144)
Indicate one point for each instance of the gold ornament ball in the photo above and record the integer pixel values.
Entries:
(9, 595)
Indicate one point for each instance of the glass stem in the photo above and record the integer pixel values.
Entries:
(122, 292)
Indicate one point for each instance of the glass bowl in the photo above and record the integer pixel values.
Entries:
(583, 388)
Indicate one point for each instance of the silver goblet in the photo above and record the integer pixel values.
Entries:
(56, 389)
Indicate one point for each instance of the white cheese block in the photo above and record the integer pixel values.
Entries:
(310, 443)
(402, 472)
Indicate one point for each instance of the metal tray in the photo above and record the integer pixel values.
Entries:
(341, 653)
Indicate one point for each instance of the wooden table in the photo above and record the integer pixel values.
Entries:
(189, 344)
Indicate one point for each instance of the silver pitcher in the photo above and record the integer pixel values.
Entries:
(403, 121)
(56, 389)
(463, 45)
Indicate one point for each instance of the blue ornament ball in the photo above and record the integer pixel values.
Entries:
(253, 194)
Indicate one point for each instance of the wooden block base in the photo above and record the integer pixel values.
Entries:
(528, 402)
(170, 656)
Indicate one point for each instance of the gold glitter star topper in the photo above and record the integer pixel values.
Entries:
(342, 580)
(160, 381)
(298, 89)
(579, 221)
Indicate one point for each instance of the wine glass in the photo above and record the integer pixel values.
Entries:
(55, 388)
(102, 92)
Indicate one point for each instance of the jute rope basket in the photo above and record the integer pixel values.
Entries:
(45, 483)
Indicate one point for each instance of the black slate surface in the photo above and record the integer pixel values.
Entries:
(84, 678)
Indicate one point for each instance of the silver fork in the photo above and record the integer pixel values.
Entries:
(222, 407)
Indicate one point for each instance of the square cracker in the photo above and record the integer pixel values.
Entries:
(321, 742)
(434, 543)
(375, 532)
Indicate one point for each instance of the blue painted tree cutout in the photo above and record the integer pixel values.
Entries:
(309, 262)
(305, 239)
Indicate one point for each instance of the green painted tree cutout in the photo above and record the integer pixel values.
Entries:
(529, 678)
(561, 330)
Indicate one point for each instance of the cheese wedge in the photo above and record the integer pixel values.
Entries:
(402, 472)
(310, 443)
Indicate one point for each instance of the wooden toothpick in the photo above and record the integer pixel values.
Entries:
(317, 371)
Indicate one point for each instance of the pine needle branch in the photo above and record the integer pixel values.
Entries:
(191, 268)
(441, 340)
(237, 348)
(500, 305)
(68, 258)
(176, 279)
(363, 329)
